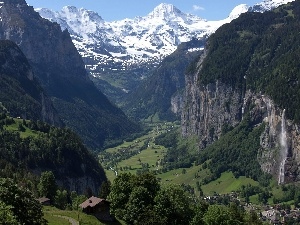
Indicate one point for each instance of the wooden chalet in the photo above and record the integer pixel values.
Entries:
(98, 207)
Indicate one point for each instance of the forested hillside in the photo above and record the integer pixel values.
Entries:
(259, 52)
(28, 146)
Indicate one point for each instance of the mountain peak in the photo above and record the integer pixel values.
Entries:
(238, 10)
(71, 11)
(268, 5)
(165, 10)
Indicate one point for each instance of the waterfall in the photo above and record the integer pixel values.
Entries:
(283, 149)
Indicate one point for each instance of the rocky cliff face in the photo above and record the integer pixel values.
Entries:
(207, 108)
(81, 184)
(176, 104)
(210, 108)
(46, 47)
(20, 92)
(279, 153)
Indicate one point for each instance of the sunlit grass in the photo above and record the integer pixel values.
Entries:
(51, 213)
(23, 134)
(227, 183)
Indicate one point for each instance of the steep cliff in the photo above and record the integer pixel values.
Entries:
(61, 71)
(20, 93)
(249, 68)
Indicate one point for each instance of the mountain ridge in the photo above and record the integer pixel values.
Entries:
(129, 49)
(61, 71)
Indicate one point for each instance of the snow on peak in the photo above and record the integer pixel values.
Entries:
(165, 11)
(238, 10)
(71, 13)
(267, 5)
(263, 6)
(77, 21)
(133, 42)
(70, 9)
(46, 13)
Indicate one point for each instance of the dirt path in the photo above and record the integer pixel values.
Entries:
(71, 220)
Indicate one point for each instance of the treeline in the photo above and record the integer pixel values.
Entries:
(29, 147)
(181, 152)
(18, 205)
(236, 151)
(143, 200)
(291, 192)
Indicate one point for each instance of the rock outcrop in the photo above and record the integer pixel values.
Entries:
(279, 142)
(208, 109)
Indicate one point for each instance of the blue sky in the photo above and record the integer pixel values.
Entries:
(111, 10)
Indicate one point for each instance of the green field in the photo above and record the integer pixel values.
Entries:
(227, 183)
(152, 155)
(54, 220)
(15, 127)
(143, 152)
(52, 215)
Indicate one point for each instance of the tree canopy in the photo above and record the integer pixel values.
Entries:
(140, 199)
(18, 205)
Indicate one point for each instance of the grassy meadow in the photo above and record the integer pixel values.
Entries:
(151, 156)
(54, 217)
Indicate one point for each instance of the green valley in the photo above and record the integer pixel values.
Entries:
(144, 154)
(138, 155)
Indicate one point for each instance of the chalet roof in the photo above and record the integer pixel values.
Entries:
(92, 201)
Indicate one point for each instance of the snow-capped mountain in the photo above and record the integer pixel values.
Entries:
(127, 44)
(268, 5)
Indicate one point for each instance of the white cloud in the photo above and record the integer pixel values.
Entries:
(197, 8)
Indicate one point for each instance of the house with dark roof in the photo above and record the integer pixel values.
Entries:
(98, 207)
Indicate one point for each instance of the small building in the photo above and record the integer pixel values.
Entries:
(98, 207)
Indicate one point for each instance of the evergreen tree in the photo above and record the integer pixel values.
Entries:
(173, 205)
(61, 199)
(104, 189)
(47, 185)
